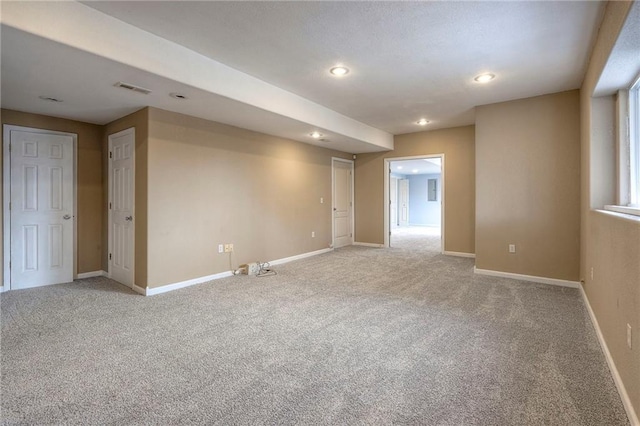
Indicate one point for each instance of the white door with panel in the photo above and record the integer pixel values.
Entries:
(342, 203)
(403, 198)
(41, 209)
(393, 201)
(121, 207)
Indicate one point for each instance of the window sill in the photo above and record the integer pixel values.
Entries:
(635, 211)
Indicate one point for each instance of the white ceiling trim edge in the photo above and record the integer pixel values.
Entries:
(81, 27)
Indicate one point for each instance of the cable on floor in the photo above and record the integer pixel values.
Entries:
(265, 270)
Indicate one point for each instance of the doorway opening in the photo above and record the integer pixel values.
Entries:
(414, 194)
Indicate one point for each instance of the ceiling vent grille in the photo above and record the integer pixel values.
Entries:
(133, 88)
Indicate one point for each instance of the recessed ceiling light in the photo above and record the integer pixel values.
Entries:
(422, 122)
(415, 170)
(49, 99)
(315, 135)
(399, 167)
(484, 78)
(339, 71)
(178, 96)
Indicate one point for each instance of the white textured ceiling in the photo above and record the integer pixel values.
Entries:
(408, 59)
(623, 66)
(263, 65)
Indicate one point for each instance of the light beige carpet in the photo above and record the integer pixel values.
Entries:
(356, 336)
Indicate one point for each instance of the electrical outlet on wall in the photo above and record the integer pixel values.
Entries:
(512, 248)
(591, 272)
(313, 234)
(228, 248)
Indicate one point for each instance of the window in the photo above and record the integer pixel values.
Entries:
(634, 145)
(628, 151)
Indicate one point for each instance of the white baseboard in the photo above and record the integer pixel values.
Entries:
(299, 256)
(175, 286)
(532, 278)
(459, 254)
(626, 401)
(368, 245)
(182, 284)
(92, 274)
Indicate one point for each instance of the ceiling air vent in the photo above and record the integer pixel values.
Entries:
(133, 88)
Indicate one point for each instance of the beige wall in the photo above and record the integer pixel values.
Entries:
(612, 22)
(140, 121)
(528, 186)
(614, 291)
(457, 144)
(211, 183)
(603, 159)
(89, 180)
(610, 243)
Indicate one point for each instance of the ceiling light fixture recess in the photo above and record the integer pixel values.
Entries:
(315, 135)
(422, 122)
(49, 99)
(484, 78)
(178, 96)
(339, 71)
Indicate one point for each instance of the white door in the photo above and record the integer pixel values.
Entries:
(342, 203)
(42, 209)
(393, 202)
(121, 206)
(404, 202)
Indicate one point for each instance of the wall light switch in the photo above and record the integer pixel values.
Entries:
(512, 248)
(629, 335)
(220, 248)
(591, 273)
(321, 200)
(313, 234)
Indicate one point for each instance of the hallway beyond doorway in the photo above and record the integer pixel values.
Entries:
(426, 238)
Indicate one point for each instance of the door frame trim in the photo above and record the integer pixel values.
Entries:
(333, 201)
(387, 172)
(6, 197)
(110, 138)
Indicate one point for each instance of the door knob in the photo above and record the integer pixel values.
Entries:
(129, 218)
(66, 217)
